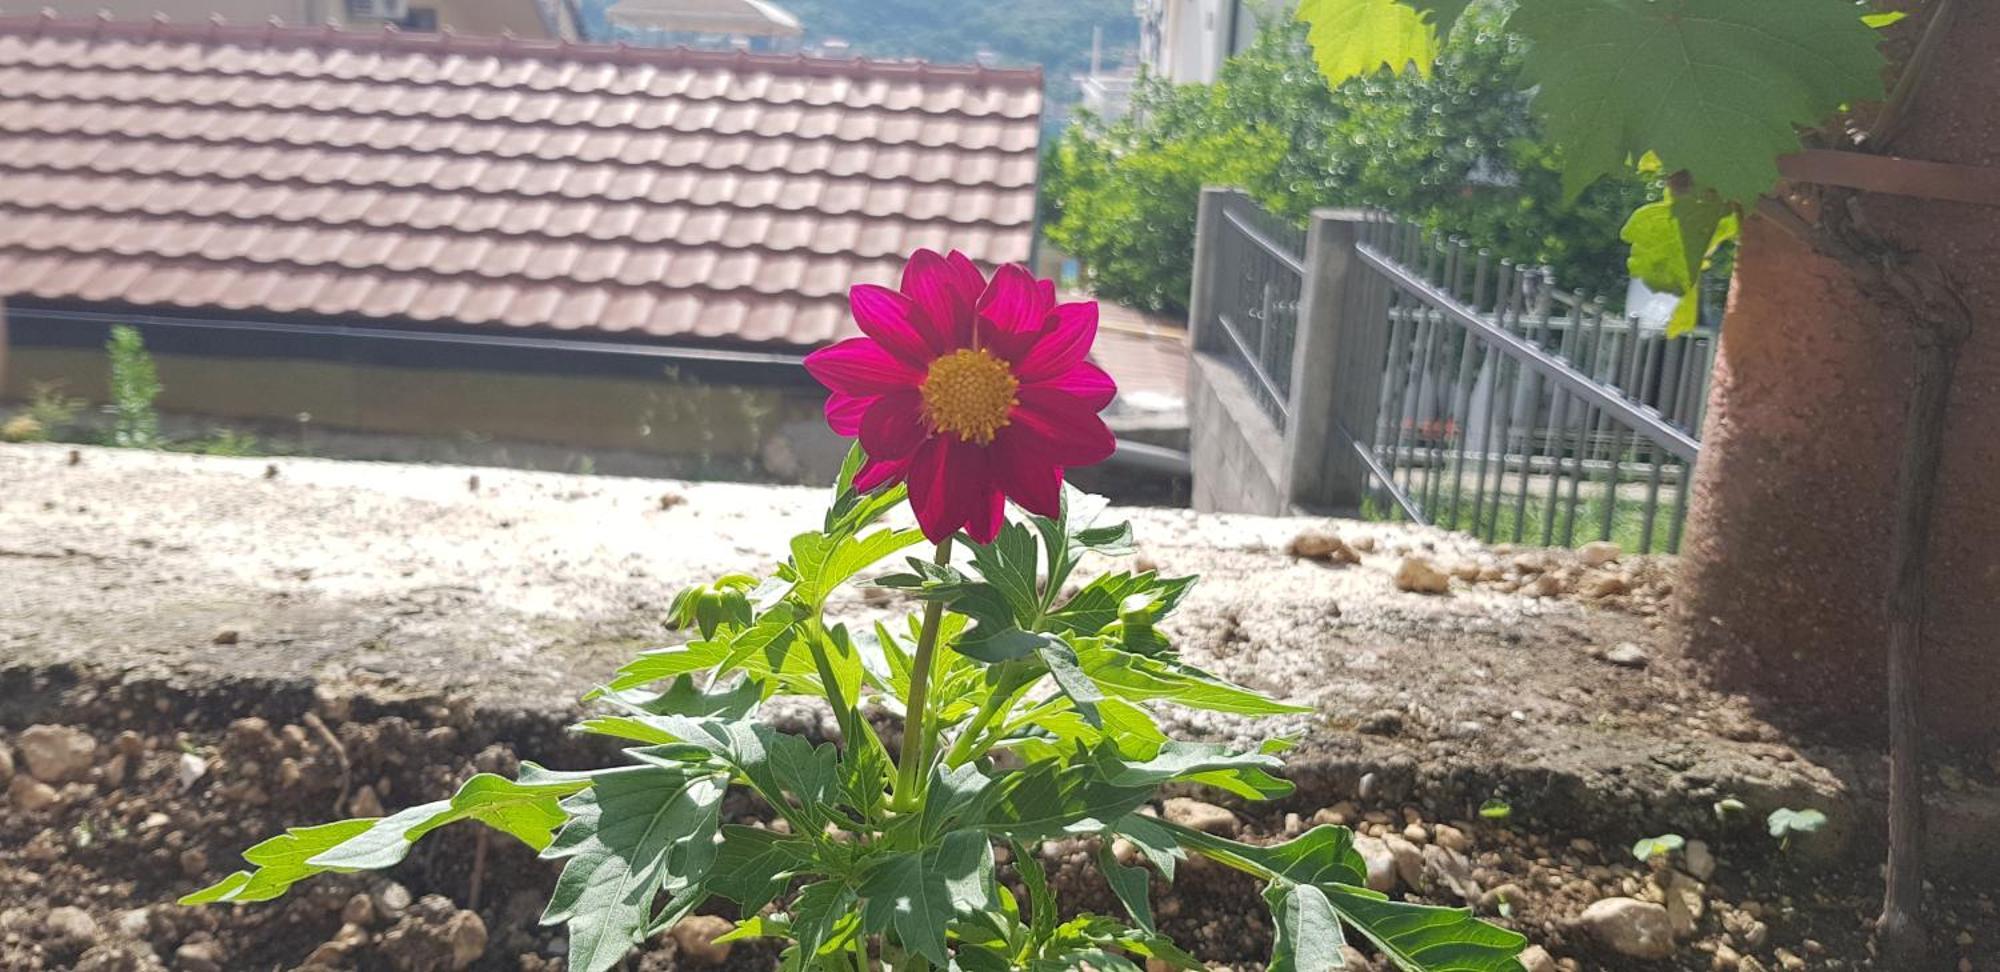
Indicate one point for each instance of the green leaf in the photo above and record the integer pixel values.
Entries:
(1672, 242)
(530, 813)
(1140, 678)
(851, 509)
(776, 764)
(1132, 886)
(1355, 37)
(1153, 840)
(1886, 18)
(753, 866)
(1715, 87)
(635, 833)
(1080, 690)
(1009, 563)
(1322, 855)
(1660, 846)
(1784, 821)
(1308, 932)
(1046, 800)
(1202, 762)
(913, 894)
(1420, 938)
(822, 562)
(1495, 809)
(281, 862)
(824, 917)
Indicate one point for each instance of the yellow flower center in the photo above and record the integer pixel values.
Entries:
(970, 394)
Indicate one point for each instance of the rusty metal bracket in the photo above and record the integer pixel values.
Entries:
(1942, 181)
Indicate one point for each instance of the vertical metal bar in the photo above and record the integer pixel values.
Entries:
(1558, 434)
(1459, 417)
(1505, 315)
(1680, 508)
(1583, 431)
(1423, 457)
(1651, 383)
(1629, 378)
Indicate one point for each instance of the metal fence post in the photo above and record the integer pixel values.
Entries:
(1336, 367)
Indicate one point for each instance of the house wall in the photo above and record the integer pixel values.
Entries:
(669, 425)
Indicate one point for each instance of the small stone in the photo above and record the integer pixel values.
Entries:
(1726, 959)
(30, 795)
(1757, 934)
(1506, 894)
(1386, 722)
(1749, 963)
(466, 932)
(1366, 787)
(1597, 553)
(190, 769)
(1638, 929)
(6, 764)
(1466, 570)
(1536, 959)
(1788, 961)
(70, 924)
(1205, 817)
(670, 500)
(696, 935)
(1685, 903)
(1626, 654)
(194, 862)
(1599, 585)
(1420, 576)
(57, 754)
(1698, 859)
(365, 803)
(1544, 585)
(391, 901)
(1452, 838)
(1323, 546)
(1451, 871)
(359, 911)
(202, 956)
(1416, 834)
(1351, 960)
(1380, 863)
(1363, 544)
(130, 744)
(132, 922)
(227, 636)
(1408, 859)
(1294, 825)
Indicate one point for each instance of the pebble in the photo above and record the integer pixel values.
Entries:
(466, 932)
(1416, 834)
(57, 754)
(1626, 654)
(1205, 817)
(1420, 576)
(1726, 959)
(365, 803)
(1452, 838)
(190, 769)
(1638, 929)
(31, 795)
(1601, 585)
(1323, 546)
(1698, 859)
(696, 935)
(6, 763)
(1380, 862)
(392, 900)
(1597, 553)
(70, 924)
(1408, 859)
(201, 956)
(1536, 959)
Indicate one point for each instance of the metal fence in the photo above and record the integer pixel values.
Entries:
(1516, 412)
(1256, 304)
(1437, 383)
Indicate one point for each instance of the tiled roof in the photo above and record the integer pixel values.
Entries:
(440, 180)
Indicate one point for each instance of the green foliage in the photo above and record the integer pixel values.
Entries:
(1708, 91)
(1661, 846)
(1457, 151)
(1040, 721)
(1784, 822)
(134, 387)
(1495, 809)
(53, 410)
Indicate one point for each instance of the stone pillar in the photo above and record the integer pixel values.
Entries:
(1336, 367)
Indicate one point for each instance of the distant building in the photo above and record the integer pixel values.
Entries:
(1186, 41)
(756, 25)
(522, 18)
(618, 250)
(1106, 94)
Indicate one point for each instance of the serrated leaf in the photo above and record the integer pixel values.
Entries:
(1070, 679)
(1308, 932)
(1672, 241)
(824, 916)
(913, 894)
(1010, 565)
(1355, 37)
(1046, 800)
(753, 866)
(788, 771)
(1131, 885)
(281, 862)
(822, 562)
(527, 812)
(1141, 678)
(1153, 839)
(1178, 760)
(635, 833)
(1323, 855)
(1421, 938)
(1715, 87)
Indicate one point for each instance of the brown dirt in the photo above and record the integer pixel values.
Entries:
(436, 627)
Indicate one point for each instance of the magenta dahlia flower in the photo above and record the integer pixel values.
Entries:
(972, 391)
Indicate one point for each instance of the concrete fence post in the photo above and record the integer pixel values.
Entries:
(1207, 263)
(1336, 367)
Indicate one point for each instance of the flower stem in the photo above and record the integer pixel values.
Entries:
(909, 778)
(965, 747)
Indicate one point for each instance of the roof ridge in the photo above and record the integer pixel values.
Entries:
(219, 32)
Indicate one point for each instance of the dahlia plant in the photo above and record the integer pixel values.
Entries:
(1015, 708)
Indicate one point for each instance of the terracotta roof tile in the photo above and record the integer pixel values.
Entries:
(664, 194)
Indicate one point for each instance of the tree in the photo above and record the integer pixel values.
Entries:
(1714, 92)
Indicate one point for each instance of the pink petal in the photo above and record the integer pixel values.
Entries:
(843, 413)
(931, 496)
(965, 277)
(934, 286)
(986, 516)
(1087, 383)
(876, 472)
(1068, 431)
(1072, 328)
(896, 322)
(1014, 301)
(1024, 472)
(859, 366)
(894, 426)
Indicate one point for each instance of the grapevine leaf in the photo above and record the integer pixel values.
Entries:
(1355, 37)
(281, 862)
(1672, 240)
(633, 834)
(1421, 938)
(1308, 932)
(914, 893)
(1715, 87)
(1443, 14)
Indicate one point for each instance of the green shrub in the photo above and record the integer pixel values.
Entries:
(1457, 152)
(134, 387)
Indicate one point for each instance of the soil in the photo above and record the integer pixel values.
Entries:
(437, 620)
